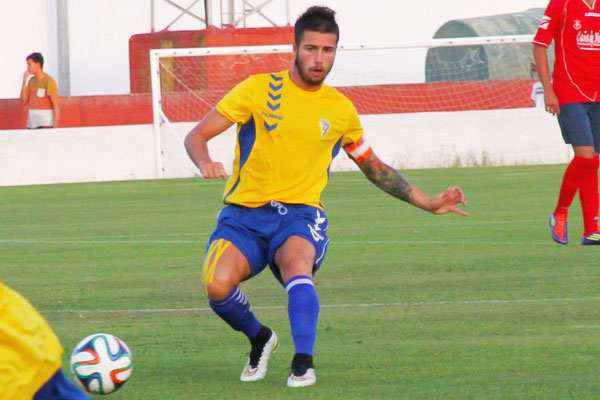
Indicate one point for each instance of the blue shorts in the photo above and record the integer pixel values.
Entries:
(259, 232)
(580, 124)
(59, 387)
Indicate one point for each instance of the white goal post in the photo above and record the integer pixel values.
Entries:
(163, 66)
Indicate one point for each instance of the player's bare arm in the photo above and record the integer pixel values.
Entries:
(391, 181)
(386, 178)
(541, 62)
(24, 89)
(196, 144)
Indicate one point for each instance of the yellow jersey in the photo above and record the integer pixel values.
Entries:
(30, 353)
(286, 139)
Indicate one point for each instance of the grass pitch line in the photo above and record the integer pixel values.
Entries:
(348, 305)
(340, 242)
(100, 241)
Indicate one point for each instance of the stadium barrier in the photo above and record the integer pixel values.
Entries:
(408, 140)
(135, 109)
(79, 111)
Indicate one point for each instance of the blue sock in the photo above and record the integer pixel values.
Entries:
(236, 311)
(303, 310)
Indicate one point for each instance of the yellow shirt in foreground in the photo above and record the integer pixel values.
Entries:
(30, 353)
(286, 139)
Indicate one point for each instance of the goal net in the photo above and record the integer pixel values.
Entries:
(478, 73)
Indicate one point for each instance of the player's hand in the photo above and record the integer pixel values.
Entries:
(212, 170)
(26, 76)
(551, 101)
(448, 200)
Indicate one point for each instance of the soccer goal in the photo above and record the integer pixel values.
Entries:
(476, 73)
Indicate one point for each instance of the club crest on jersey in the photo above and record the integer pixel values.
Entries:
(324, 124)
(545, 22)
(577, 24)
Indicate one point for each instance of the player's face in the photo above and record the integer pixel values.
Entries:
(314, 57)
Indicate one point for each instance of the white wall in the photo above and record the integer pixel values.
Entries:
(76, 155)
(24, 29)
(99, 31)
(421, 140)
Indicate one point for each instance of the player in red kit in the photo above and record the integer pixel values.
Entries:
(574, 96)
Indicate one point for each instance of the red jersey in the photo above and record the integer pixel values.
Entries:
(574, 25)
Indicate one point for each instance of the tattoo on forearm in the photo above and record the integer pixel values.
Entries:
(387, 179)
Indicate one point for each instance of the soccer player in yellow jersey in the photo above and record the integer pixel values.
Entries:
(30, 354)
(290, 126)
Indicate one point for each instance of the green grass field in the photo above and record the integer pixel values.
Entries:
(414, 306)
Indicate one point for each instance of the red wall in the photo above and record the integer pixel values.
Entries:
(85, 111)
(13, 115)
(441, 96)
(382, 99)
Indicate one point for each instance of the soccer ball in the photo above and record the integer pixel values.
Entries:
(101, 363)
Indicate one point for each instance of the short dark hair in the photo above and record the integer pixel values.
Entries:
(316, 19)
(36, 58)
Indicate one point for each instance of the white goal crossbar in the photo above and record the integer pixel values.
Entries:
(156, 54)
